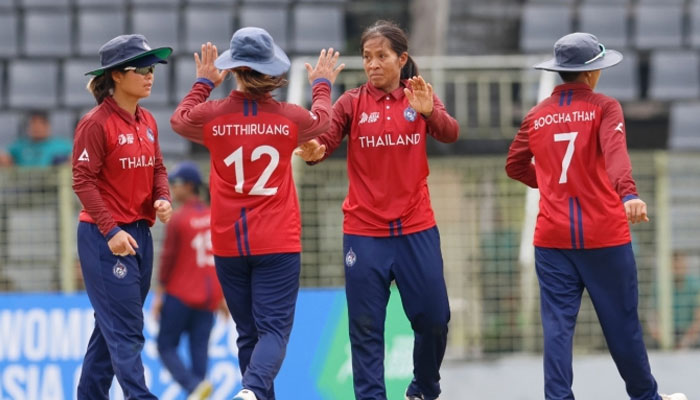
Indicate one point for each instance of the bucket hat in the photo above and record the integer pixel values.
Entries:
(186, 171)
(254, 48)
(129, 49)
(578, 52)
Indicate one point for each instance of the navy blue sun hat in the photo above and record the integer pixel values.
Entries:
(578, 52)
(129, 50)
(254, 48)
(186, 172)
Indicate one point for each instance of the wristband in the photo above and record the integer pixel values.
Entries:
(321, 80)
(205, 81)
(112, 232)
(629, 197)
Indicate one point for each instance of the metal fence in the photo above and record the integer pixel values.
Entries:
(480, 214)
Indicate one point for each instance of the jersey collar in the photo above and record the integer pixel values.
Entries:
(572, 86)
(125, 115)
(377, 94)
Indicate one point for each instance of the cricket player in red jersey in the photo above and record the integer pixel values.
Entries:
(255, 218)
(389, 228)
(189, 292)
(587, 198)
(120, 179)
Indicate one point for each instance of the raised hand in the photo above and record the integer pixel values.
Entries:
(205, 64)
(636, 211)
(325, 66)
(311, 151)
(420, 95)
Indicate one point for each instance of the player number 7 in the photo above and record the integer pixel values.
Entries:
(571, 138)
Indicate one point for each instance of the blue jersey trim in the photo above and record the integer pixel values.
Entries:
(571, 222)
(206, 82)
(238, 238)
(244, 220)
(112, 232)
(580, 223)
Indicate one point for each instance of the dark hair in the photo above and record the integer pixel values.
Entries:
(39, 114)
(101, 86)
(397, 40)
(258, 85)
(569, 76)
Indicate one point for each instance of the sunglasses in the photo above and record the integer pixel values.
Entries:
(142, 70)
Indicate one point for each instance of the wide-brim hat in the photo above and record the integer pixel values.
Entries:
(186, 171)
(254, 48)
(129, 50)
(578, 52)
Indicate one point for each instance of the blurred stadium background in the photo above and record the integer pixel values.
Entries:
(477, 54)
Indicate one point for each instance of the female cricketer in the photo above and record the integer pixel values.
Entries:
(255, 218)
(587, 197)
(119, 177)
(389, 227)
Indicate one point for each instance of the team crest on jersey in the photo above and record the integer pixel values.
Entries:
(410, 114)
(369, 119)
(125, 138)
(150, 135)
(119, 270)
(350, 258)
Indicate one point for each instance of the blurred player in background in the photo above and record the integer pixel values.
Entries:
(587, 197)
(39, 148)
(256, 223)
(188, 292)
(389, 228)
(120, 179)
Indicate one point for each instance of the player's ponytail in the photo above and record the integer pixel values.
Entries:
(101, 86)
(397, 40)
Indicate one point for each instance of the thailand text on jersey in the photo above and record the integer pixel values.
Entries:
(253, 199)
(387, 162)
(581, 167)
(187, 262)
(118, 170)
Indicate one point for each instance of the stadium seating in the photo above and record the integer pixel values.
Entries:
(105, 3)
(184, 70)
(96, 27)
(272, 19)
(160, 91)
(607, 22)
(74, 80)
(32, 84)
(63, 123)
(47, 33)
(694, 25)
(674, 75)
(44, 3)
(542, 24)
(159, 25)
(207, 25)
(10, 122)
(327, 29)
(684, 122)
(622, 81)
(8, 34)
(658, 25)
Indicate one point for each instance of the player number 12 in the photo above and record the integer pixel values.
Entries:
(571, 138)
(258, 189)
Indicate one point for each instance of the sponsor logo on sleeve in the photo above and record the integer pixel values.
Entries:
(619, 127)
(84, 156)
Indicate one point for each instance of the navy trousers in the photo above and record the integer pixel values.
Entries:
(414, 261)
(177, 318)
(261, 293)
(116, 287)
(609, 275)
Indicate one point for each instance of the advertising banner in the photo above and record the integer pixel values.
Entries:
(43, 338)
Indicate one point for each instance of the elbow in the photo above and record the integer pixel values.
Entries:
(512, 171)
(175, 123)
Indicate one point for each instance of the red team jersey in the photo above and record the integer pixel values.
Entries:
(581, 167)
(187, 263)
(118, 170)
(254, 204)
(387, 162)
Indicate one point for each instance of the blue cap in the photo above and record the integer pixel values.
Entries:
(186, 171)
(578, 52)
(129, 50)
(254, 48)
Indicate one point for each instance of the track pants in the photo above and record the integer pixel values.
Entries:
(116, 287)
(414, 261)
(610, 276)
(261, 293)
(177, 318)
